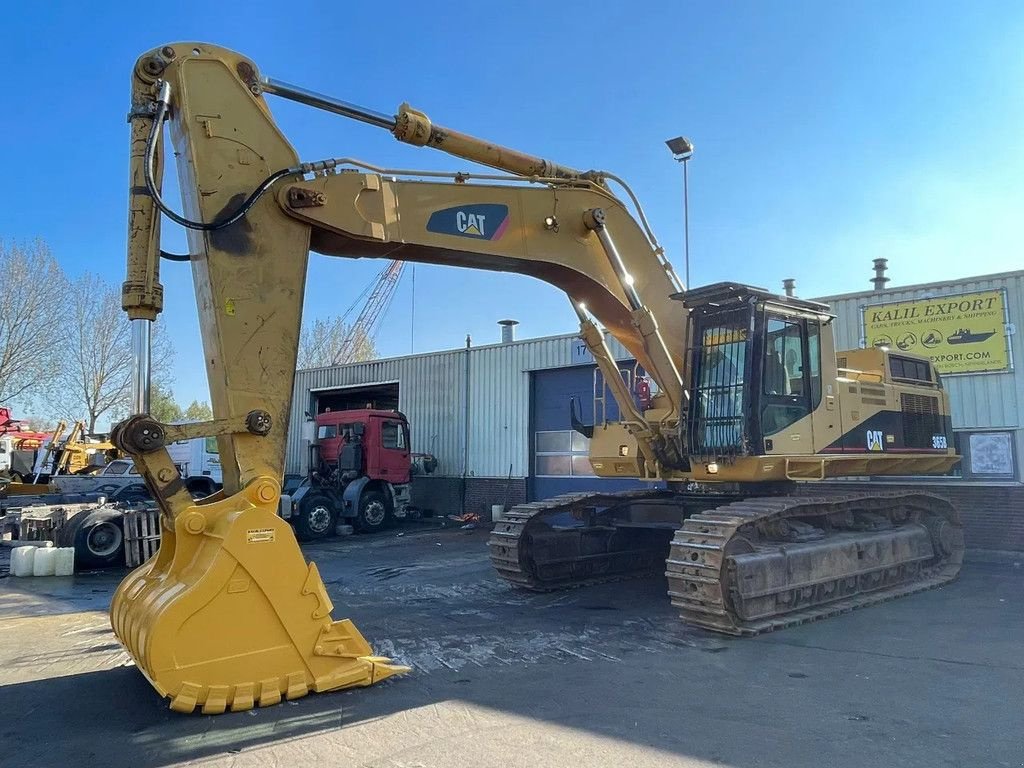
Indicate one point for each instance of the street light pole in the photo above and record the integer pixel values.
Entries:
(686, 221)
(682, 150)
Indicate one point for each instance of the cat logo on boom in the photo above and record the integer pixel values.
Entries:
(485, 221)
(471, 223)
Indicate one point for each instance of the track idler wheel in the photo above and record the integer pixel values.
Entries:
(228, 614)
(947, 539)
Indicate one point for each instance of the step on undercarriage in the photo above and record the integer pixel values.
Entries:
(738, 565)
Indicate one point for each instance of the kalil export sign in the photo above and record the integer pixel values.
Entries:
(963, 333)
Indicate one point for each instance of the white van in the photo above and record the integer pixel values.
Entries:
(197, 458)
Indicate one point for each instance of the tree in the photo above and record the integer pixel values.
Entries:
(162, 405)
(331, 341)
(198, 411)
(96, 372)
(31, 321)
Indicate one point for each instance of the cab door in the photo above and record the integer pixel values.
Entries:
(825, 411)
(785, 416)
(393, 450)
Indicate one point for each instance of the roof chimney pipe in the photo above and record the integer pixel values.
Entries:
(789, 286)
(879, 280)
(508, 330)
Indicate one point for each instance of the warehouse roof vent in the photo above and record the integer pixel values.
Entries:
(789, 286)
(879, 280)
(508, 330)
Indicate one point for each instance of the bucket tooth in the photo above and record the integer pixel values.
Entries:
(296, 686)
(186, 698)
(216, 700)
(228, 615)
(383, 669)
(270, 693)
(243, 698)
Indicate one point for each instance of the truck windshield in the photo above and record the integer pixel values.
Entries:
(327, 430)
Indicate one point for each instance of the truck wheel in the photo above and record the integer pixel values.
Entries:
(374, 513)
(98, 538)
(316, 518)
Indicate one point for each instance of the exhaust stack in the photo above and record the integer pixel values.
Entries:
(879, 280)
(508, 330)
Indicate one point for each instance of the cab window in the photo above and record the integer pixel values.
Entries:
(327, 431)
(784, 359)
(392, 435)
(719, 394)
(910, 369)
(785, 384)
(814, 361)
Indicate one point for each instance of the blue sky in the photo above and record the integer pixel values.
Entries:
(826, 134)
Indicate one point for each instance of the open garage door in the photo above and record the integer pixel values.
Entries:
(383, 396)
(559, 457)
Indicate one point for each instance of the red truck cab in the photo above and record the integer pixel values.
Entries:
(383, 436)
(360, 474)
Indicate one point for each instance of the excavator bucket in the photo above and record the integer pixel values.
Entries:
(228, 615)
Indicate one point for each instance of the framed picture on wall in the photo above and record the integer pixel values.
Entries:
(990, 455)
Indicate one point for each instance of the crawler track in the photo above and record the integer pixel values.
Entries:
(527, 551)
(749, 566)
(713, 569)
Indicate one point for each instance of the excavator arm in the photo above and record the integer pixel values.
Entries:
(228, 614)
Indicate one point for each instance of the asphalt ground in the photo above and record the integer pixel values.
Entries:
(601, 676)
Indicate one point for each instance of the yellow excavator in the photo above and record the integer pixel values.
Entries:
(750, 397)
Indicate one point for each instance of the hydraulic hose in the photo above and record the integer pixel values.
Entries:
(175, 256)
(162, 103)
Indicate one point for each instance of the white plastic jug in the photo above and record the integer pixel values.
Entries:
(65, 561)
(45, 562)
(22, 560)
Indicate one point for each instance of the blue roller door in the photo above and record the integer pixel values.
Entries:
(558, 456)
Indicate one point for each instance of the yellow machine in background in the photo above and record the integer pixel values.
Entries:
(751, 395)
(75, 455)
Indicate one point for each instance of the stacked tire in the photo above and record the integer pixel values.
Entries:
(97, 536)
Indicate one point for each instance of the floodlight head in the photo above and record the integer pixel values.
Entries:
(680, 147)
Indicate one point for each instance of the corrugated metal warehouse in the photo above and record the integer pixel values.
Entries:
(497, 416)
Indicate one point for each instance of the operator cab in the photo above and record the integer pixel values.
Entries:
(756, 367)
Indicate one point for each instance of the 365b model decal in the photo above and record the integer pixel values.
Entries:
(481, 222)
